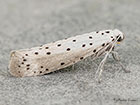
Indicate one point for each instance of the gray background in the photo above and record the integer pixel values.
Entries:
(28, 23)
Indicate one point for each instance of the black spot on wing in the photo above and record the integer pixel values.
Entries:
(68, 49)
(24, 60)
(90, 37)
(94, 50)
(81, 58)
(46, 47)
(103, 44)
(48, 53)
(26, 54)
(59, 45)
(97, 31)
(74, 40)
(36, 53)
(83, 45)
(28, 68)
(62, 63)
(90, 43)
(28, 65)
(107, 32)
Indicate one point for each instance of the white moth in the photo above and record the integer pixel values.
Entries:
(60, 54)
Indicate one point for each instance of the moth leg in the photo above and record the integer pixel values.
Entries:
(117, 58)
(100, 68)
(73, 66)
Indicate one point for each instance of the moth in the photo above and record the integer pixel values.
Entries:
(63, 53)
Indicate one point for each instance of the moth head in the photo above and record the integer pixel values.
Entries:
(118, 35)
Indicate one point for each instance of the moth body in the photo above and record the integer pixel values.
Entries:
(60, 54)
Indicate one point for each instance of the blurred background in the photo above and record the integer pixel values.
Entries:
(29, 23)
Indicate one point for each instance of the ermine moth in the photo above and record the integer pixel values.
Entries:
(63, 53)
